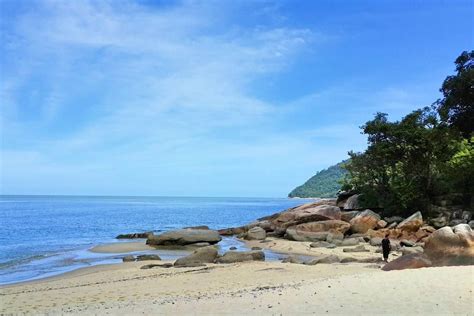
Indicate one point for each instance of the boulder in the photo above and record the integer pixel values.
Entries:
(407, 243)
(412, 223)
(232, 231)
(324, 259)
(307, 213)
(375, 241)
(393, 219)
(350, 242)
(324, 226)
(184, 237)
(471, 224)
(198, 227)
(256, 248)
(134, 235)
(353, 203)
(451, 246)
(360, 248)
(256, 233)
(128, 258)
(342, 197)
(364, 221)
(148, 257)
(292, 259)
(199, 256)
(439, 222)
(293, 234)
(411, 261)
(347, 216)
(381, 224)
(201, 244)
(411, 250)
(322, 244)
(456, 222)
(335, 237)
(241, 256)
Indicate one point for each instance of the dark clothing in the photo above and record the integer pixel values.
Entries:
(386, 247)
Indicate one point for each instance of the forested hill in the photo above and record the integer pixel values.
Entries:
(323, 184)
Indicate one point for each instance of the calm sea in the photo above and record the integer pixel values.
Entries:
(42, 236)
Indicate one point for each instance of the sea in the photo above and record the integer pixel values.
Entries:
(43, 236)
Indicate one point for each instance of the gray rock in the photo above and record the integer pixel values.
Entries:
(471, 224)
(410, 250)
(347, 216)
(199, 256)
(407, 243)
(294, 234)
(233, 248)
(256, 233)
(350, 242)
(202, 227)
(201, 244)
(456, 222)
(360, 248)
(292, 259)
(148, 257)
(150, 266)
(256, 248)
(241, 256)
(352, 203)
(184, 237)
(128, 258)
(134, 235)
(322, 244)
(324, 259)
(334, 235)
(375, 241)
(393, 219)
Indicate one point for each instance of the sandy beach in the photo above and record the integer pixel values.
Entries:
(272, 288)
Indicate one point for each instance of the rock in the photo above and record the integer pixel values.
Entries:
(190, 265)
(456, 222)
(293, 234)
(364, 221)
(412, 223)
(202, 227)
(381, 223)
(335, 237)
(348, 259)
(376, 241)
(232, 231)
(256, 233)
(347, 216)
(407, 243)
(451, 246)
(322, 244)
(128, 258)
(411, 250)
(256, 248)
(324, 259)
(343, 196)
(148, 257)
(360, 248)
(350, 242)
(393, 219)
(184, 237)
(199, 256)
(134, 235)
(392, 225)
(439, 222)
(411, 261)
(466, 216)
(292, 259)
(324, 226)
(352, 203)
(307, 213)
(233, 248)
(201, 244)
(150, 266)
(471, 224)
(241, 256)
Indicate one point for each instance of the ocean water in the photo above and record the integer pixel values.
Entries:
(41, 236)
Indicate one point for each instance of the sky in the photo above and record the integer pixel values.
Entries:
(208, 98)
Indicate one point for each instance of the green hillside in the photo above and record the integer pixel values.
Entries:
(323, 184)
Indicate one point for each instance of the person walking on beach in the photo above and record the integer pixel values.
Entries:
(386, 248)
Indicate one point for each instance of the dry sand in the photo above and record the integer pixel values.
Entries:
(121, 247)
(254, 288)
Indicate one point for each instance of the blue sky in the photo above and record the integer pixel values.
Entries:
(208, 98)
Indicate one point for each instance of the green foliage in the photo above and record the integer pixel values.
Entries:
(324, 184)
(410, 162)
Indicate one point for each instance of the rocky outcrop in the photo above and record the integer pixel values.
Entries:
(307, 213)
(293, 234)
(134, 235)
(183, 237)
(241, 256)
(232, 231)
(347, 216)
(353, 203)
(411, 261)
(451, 246)
(256, 233)
(364, 221)
(412, 223)
(324, 226)
(199, 256)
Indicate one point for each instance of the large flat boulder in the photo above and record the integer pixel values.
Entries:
(199, 256)
(451, 246)
(410, 261)
(324, 226)
(364, 221)
(183, 237)
(241, 256)
(412, 223)
(307, 213)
